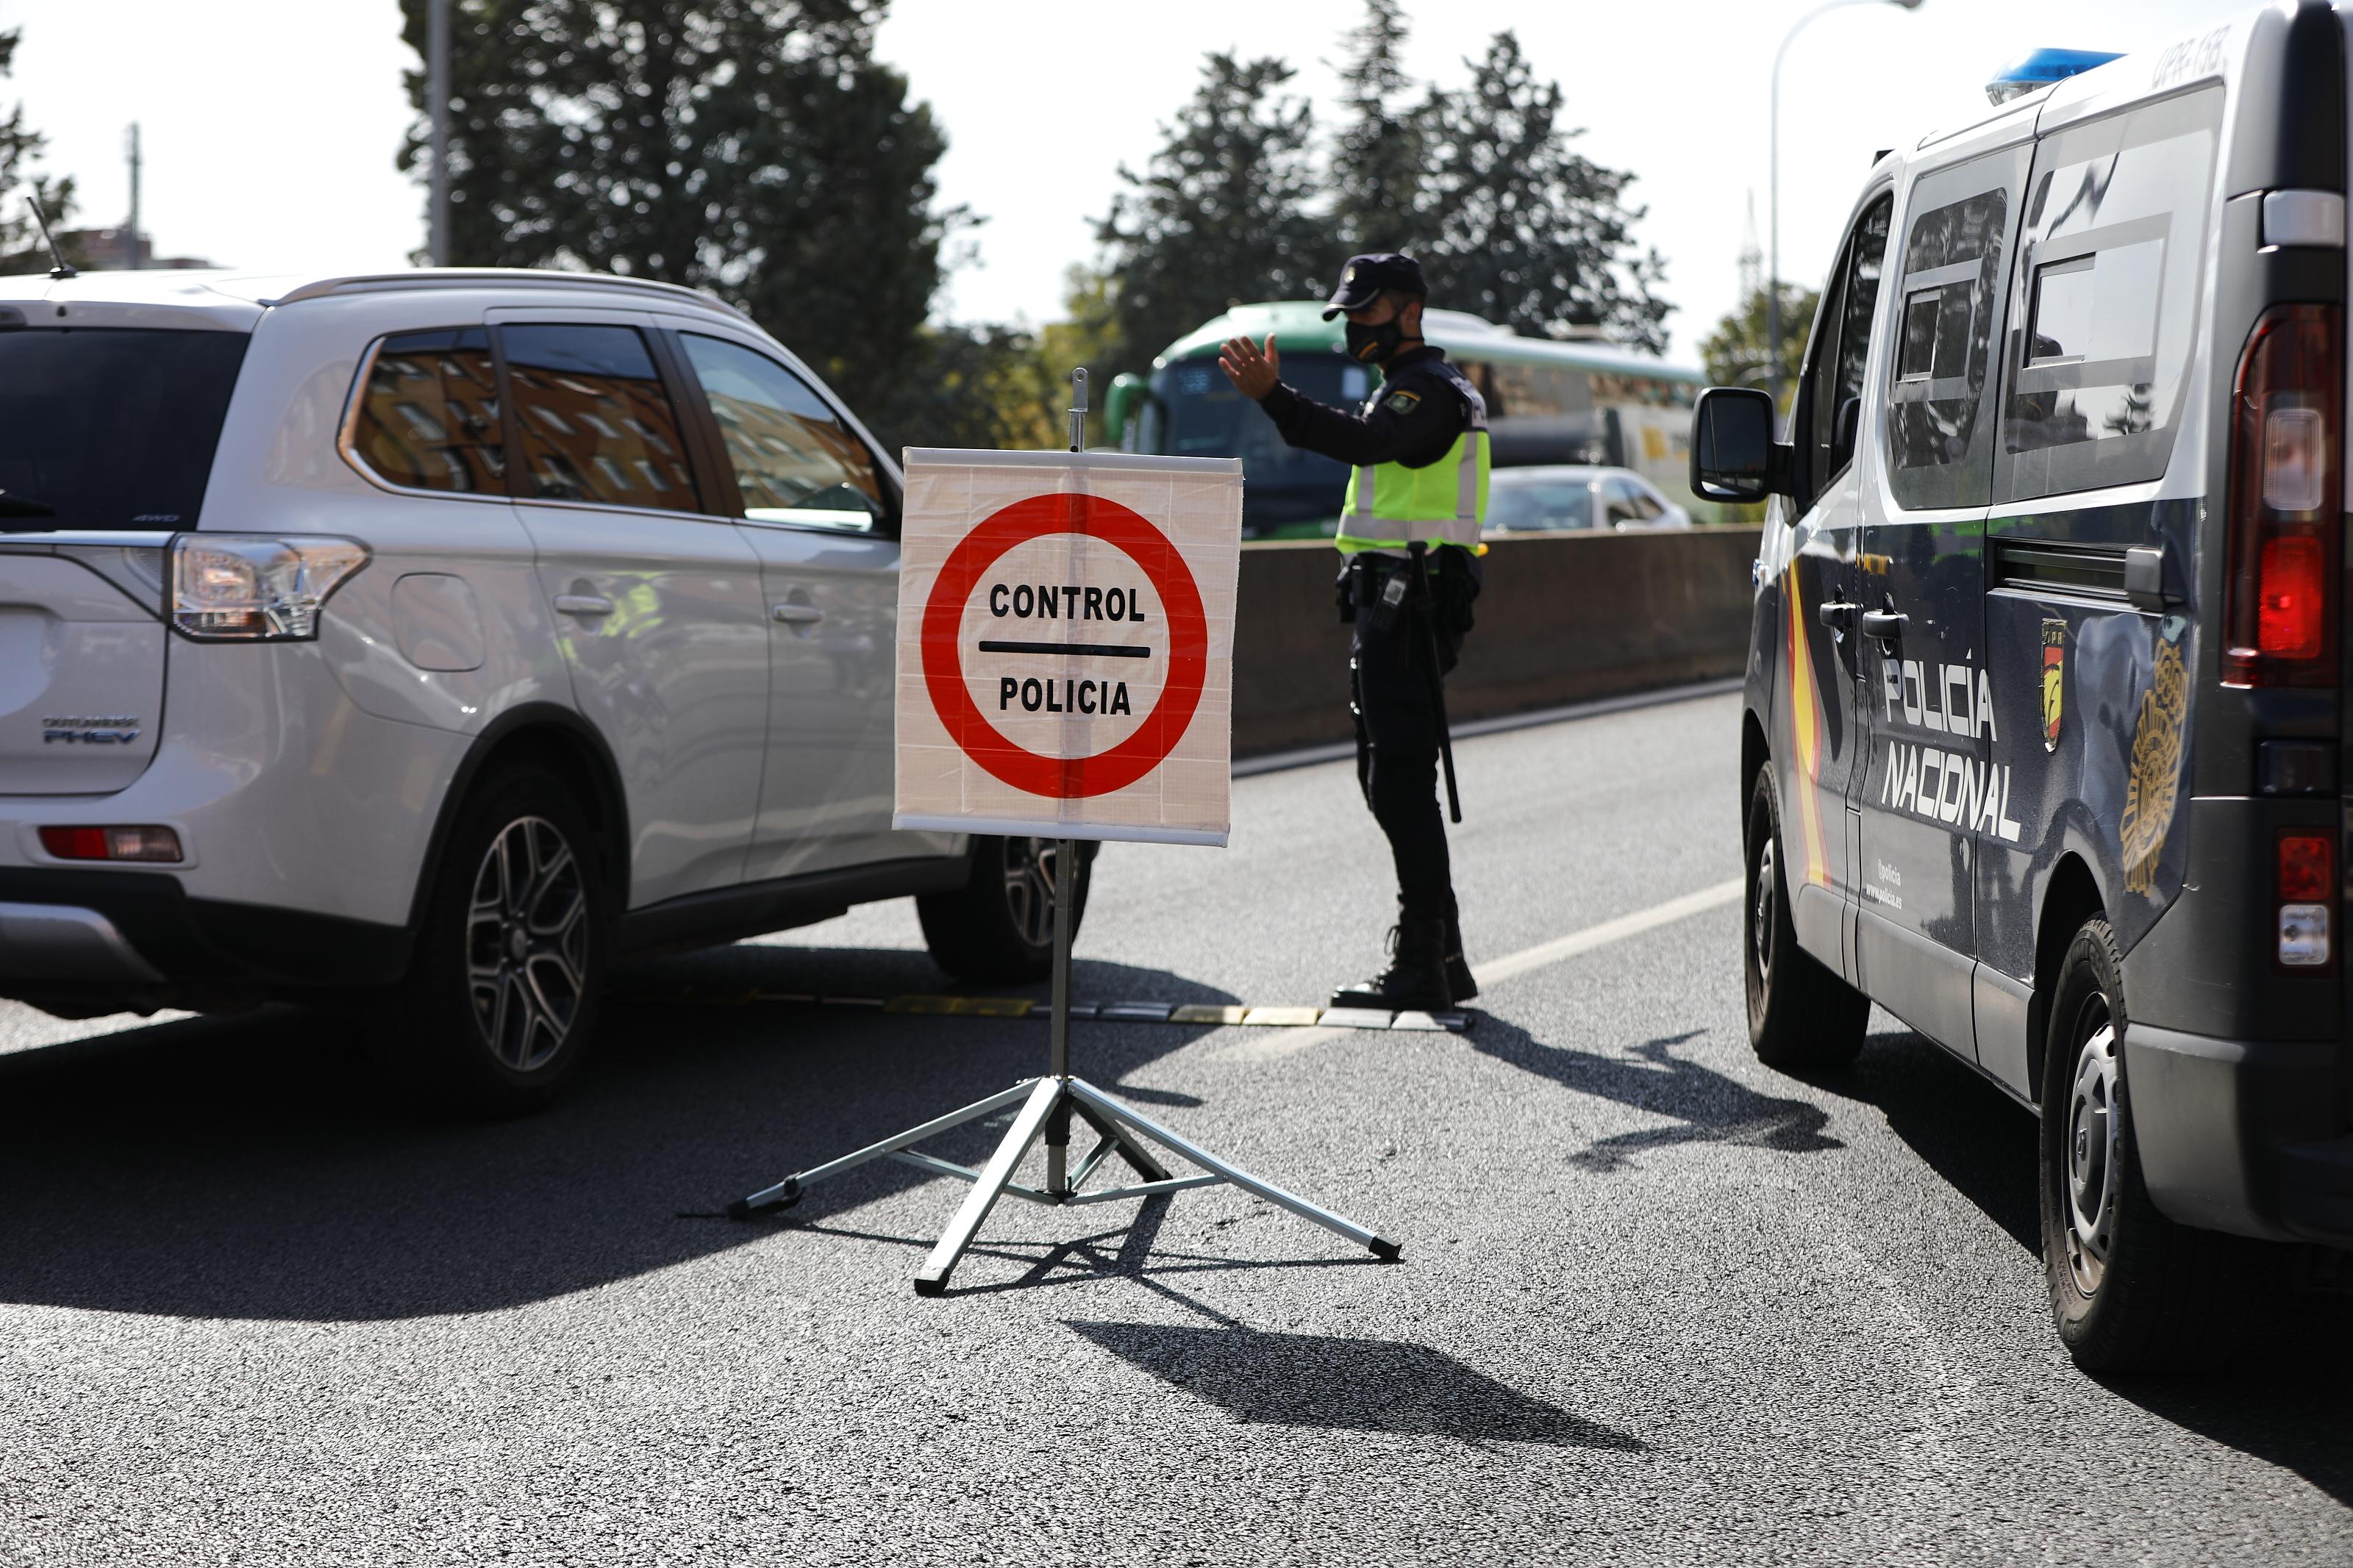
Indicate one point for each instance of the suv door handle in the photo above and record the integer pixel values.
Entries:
(1884, 625)
(583, 604)
(1836, 615)
(793, 613)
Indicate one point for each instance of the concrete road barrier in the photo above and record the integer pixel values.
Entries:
(1563, 618)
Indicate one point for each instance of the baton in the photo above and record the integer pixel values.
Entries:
(1419, 550)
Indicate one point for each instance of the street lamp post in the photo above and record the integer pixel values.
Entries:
(1773, 198)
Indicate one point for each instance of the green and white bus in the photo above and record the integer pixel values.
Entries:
(1547, 402)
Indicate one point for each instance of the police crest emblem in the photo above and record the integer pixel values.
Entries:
(2054, 680)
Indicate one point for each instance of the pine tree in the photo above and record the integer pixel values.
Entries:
(21, 247)
(1530, 232)
(1221, 214)
(753, 148)
(1377, 170)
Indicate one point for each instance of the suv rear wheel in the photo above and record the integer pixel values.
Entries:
(2129, 1287)
(998, 928)
(501, 996)
(1799, 1014)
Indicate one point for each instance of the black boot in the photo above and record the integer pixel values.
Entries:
(1414, 980)
(1458, 973)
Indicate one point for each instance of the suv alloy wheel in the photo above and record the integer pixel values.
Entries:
(998, 928)
(502, 996)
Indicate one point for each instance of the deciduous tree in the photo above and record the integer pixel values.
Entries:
(21, 248)
(753, 148)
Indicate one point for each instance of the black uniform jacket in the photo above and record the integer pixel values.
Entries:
(1412, 417)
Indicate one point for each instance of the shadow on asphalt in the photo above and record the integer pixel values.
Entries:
(1346, 1385)
(246, 1167)
(1706, 1106)
(1974, 1137)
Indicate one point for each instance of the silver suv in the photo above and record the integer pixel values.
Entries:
(442, 638)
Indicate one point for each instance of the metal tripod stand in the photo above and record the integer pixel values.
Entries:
(1047, 1105)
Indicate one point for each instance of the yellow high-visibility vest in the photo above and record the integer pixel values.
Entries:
(1389, 505)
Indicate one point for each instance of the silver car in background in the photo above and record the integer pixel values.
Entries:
(1562, 497)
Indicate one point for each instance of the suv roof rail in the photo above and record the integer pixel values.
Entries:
(475, 277)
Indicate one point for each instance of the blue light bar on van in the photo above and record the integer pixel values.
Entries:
(2040, 68)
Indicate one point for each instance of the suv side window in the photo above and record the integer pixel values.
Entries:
(1841, 344)
(1939, 399)
(592, 420)
(795, 461)
(2104, 312)
(427, 415)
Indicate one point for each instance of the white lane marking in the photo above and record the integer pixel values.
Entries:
(1275, 1044)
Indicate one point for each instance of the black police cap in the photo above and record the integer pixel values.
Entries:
(1362, 280)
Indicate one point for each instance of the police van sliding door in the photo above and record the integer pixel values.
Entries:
(1819, 735)
(1936, 787)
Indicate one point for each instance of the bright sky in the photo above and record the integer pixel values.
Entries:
(270, 125)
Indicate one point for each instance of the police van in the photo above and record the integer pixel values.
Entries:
(2045, 729)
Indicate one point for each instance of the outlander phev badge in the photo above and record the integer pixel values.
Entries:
(89, 728)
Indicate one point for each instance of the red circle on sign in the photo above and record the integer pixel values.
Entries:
(1066, 778)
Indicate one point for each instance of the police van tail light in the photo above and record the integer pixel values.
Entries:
(2282, 595)
(2307, 889)
(247, 587)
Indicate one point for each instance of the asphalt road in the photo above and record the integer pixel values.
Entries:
(1658, 1304)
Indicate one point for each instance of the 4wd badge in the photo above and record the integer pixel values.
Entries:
(2054, 672)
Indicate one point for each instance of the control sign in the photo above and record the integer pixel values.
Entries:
(1066, 631)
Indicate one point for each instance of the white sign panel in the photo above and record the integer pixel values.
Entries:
(1066, 637)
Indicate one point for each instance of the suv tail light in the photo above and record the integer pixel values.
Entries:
(2280, 624)
(149, 844)
(2306, 896)
(247, 587)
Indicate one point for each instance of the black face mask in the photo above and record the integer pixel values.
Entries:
(1375, 345)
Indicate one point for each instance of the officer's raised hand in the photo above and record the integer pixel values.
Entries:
(1253, 374)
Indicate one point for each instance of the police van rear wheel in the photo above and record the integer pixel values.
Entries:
(2129, 1289)
(1800, 1015)
(998, 928)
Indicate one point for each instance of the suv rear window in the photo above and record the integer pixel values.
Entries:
(110, 427)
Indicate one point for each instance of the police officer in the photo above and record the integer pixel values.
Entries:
(1419, 451)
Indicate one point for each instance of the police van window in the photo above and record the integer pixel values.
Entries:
(1951, 276)
(1841, 344)
(2103, 323)
(427, 417)
(592, 419)
(795, 461)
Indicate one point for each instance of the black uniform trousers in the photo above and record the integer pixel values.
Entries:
(1396, 754)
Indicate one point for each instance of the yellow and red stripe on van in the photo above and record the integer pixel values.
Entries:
(1806, 734)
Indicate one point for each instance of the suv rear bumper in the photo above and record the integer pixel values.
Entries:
(122, 940)
(2241, 1136)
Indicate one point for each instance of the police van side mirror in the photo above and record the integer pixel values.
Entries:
(1734, 456)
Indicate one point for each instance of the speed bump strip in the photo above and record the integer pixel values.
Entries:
(1218, 1013)
(962, 1006)
(1202, 1013)
(1282, 1017)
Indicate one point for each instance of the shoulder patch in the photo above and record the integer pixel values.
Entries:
(1401, 402)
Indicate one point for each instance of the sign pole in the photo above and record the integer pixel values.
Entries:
(1043, 1107)
(1066, 877)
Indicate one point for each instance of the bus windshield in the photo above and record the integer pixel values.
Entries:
(1201, 415)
